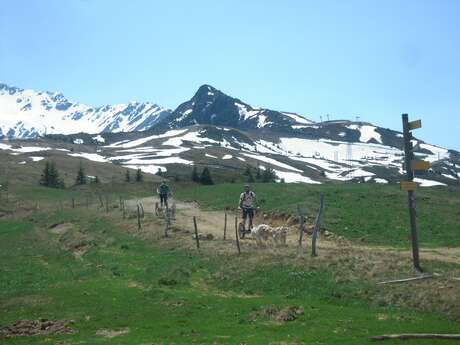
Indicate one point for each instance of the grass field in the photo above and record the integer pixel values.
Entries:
(95, 269)
(163, 296)
(372, 213)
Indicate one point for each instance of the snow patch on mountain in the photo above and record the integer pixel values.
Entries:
(292, 177)
(367, 133)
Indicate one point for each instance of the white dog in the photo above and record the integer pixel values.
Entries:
(279, 235)
(261, 233)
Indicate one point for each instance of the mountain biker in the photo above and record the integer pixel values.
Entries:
(163, 192)
(247, 200)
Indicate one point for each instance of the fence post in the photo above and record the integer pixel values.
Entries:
(107, 204)
(197, 238)
(225, 226)
(316, 228)
(141, 209)
(139, 225)
(236, 235)
(173, 211)
(124, 210)
(73, 202)
(301, 227)
(167, 221)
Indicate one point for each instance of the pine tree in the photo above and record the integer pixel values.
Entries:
(45, 176)
(268, 175)
(247, 172)
(139, 176)
(50, 176)
(81, 177)
(250, 177)
(195, 177)
(159, 172)
(258, 173)
(205, 177)
(127, 176)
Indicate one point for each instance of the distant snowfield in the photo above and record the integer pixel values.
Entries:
(190, 136)
(271, 161)
(90, 156)
(23, 149)
(428, 183)
(332, 150)
(291, 177)
(139, 142)
(367, 133)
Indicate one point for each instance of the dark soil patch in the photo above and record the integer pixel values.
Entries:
(26, 328)
(281, 315)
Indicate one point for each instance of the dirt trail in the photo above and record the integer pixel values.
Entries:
(212, 222)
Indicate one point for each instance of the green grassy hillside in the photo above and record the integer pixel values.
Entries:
(372, 213)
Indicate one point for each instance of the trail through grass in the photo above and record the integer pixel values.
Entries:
(152, 294)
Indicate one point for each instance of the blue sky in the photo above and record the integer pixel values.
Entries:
(374, 59)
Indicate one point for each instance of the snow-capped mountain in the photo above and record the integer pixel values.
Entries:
(212, 106)
(216, 130)
(29, 113)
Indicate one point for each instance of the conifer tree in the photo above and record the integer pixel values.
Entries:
(205, 177)
(258, 173)
(268, 175)
(127, 176)
(195, 177)
(81, 177)
(139, 176)
(50, 176)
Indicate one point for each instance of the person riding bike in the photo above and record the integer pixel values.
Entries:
(247, 200)
(163, 192)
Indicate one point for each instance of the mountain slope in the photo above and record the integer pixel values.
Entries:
(28, 114)
(222, 132)
(212, 106)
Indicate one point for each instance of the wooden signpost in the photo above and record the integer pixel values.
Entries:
(409, 185)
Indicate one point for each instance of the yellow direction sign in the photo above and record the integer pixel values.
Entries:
(415, 124)
(420, 165)
(408, 185)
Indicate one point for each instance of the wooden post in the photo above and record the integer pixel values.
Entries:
(120, 202)
(142, 210)
(139, 225)
(301, 226)
(173, 211)
(409, 157)
(124, 210)
(73, 202)
(167, 222)
(236, 235)
(316, 228)
(197, 238)
(225, 226)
